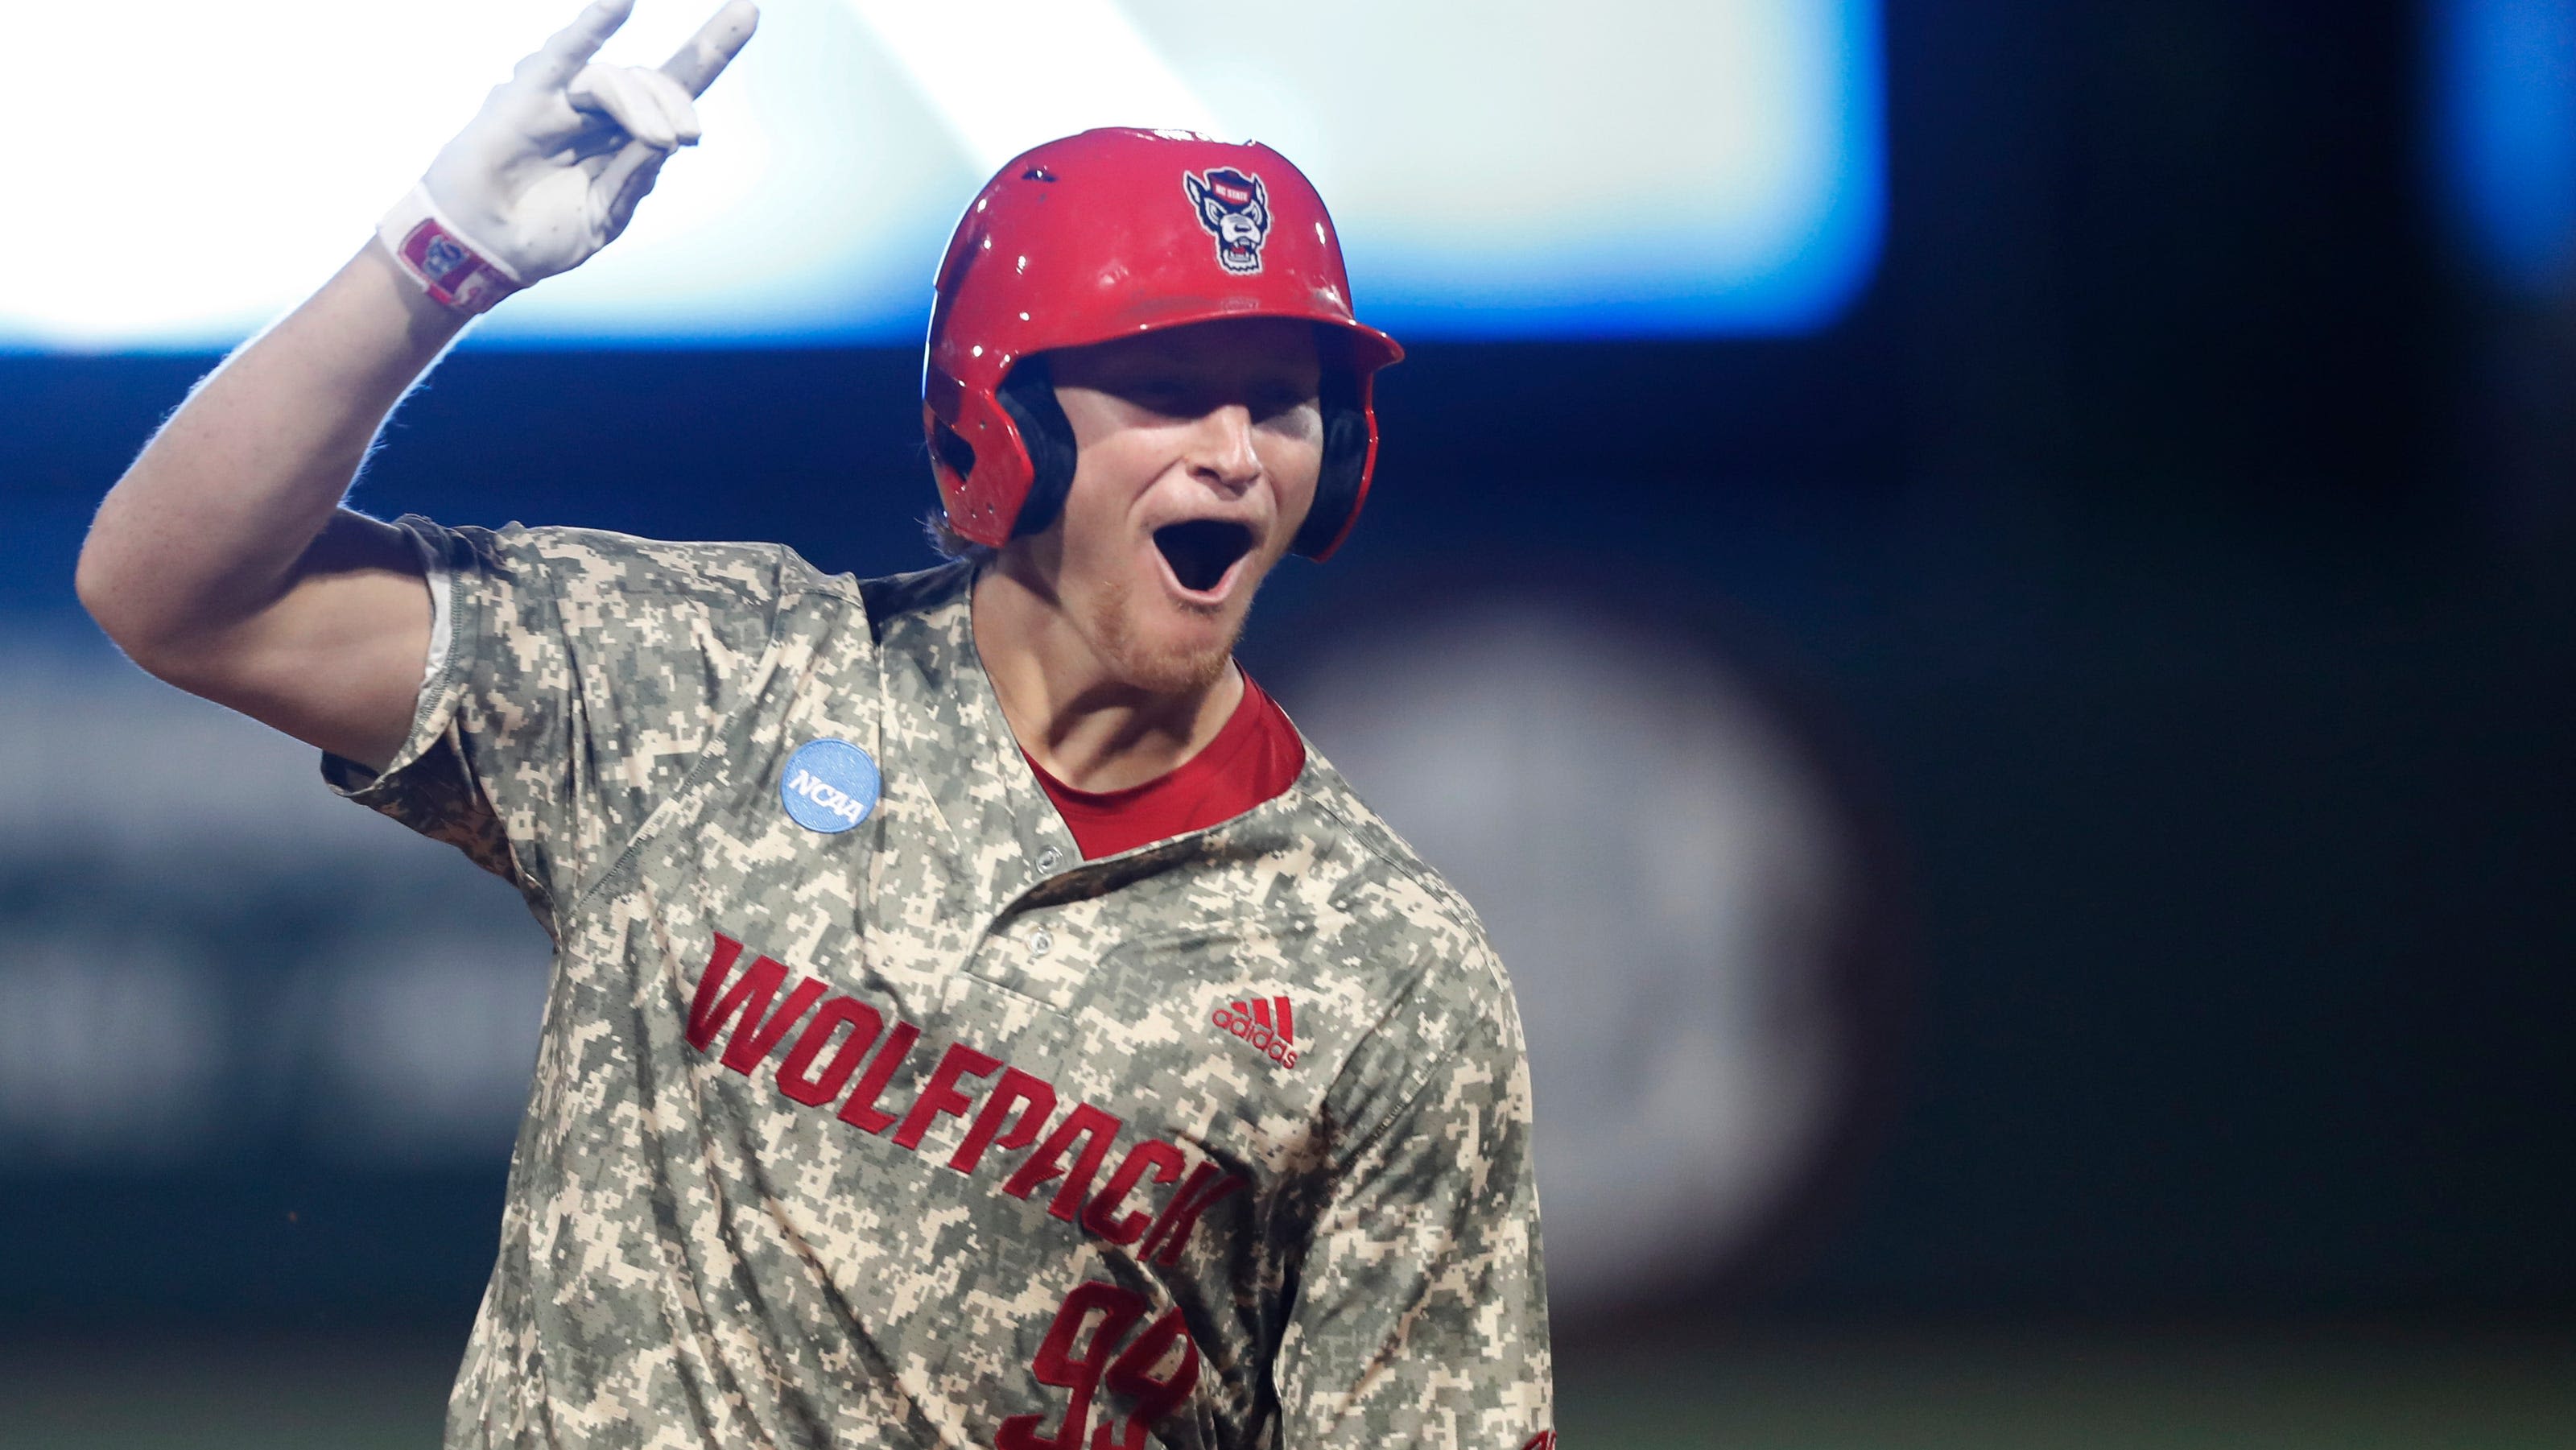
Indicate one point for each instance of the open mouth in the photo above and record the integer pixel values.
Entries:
(1200, 551)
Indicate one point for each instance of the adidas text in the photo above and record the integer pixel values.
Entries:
(1254, 1025)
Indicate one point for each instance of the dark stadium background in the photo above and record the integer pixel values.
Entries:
(2171, 553)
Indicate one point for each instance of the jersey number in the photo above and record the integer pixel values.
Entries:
(1107, 1312)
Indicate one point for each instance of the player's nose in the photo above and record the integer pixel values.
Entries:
(1221, 454)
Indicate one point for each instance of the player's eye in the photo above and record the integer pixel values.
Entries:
(1168, 396)
(1281, 404)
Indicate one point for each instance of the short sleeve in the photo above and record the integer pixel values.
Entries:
(1420, 1316)
(580, 676)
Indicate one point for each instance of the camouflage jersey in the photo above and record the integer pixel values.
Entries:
(866, 1112)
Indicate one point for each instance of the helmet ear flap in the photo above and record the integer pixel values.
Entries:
(951, 449)
(1346, 460)
(1027, 393)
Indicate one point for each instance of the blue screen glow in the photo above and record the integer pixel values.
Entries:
(1499, 169)
(2505, 136)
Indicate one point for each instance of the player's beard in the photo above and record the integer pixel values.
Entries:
(1165, 667)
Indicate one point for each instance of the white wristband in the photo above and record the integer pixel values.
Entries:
(453, 271)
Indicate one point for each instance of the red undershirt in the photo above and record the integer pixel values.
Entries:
(1255, 756)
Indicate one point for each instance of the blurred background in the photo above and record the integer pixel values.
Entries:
(1979, 592)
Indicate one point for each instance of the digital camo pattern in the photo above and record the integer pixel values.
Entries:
(928, 1132)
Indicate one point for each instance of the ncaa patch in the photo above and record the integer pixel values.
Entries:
(1235, 208)
(829, 786)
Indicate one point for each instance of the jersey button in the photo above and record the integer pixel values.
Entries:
(1041, 944)
(1048, 857)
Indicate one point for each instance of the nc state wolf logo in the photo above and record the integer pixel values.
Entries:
(1235, 207)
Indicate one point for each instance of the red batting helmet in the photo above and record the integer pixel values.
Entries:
(1103, 235)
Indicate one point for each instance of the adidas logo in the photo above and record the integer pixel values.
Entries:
(1271, 1027)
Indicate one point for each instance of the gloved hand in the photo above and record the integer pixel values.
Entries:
(550, 170)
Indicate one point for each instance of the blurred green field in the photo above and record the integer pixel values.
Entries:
(2171, 1389)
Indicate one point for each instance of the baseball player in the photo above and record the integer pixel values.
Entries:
(978, 1017)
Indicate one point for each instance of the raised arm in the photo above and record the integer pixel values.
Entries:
(222, 560)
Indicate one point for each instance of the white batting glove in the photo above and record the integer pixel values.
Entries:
(550, 170)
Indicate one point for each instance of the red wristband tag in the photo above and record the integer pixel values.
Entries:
(446, 266)
(454, 275)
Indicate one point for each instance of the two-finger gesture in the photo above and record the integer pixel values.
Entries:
(550, 170)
